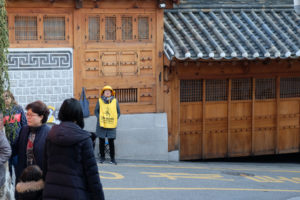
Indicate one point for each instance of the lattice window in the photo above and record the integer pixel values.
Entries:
(126, 95)
(25, 27)
(126, 28)
(54, 28)
(289, 87)
(265, 88)
(216, 90)
(143, 28)
(191, 90)
(110, 28)
(241, 89)
(94, 28)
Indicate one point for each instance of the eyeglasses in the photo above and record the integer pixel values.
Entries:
(31, 115)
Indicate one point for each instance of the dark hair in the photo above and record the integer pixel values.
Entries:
(71, 111)
(39, 108)
(31, 173)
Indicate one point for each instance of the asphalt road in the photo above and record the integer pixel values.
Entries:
(214, 180)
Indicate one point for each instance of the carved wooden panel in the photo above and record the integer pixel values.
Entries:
(91, 64)
(109, 64)
(146, 62)
(128, 63)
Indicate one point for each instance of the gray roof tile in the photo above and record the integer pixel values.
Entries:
(231, 33)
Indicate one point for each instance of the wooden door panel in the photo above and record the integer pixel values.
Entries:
(265, 127)
(240, 129)
(289, 126)
(216, 128)
(190, 131)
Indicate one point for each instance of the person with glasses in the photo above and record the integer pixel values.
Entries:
(14, 119)
(30, 144)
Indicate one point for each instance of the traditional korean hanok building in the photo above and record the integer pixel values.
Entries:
(232, 78)
(226, 73)
(59, 46)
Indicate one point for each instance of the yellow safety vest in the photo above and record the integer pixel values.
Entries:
(108, 115)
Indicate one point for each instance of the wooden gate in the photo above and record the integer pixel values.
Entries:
(239, 117)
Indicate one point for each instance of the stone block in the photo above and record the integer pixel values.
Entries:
(21, 83)
(41, 74)
(30, 99)
(33, 91)
(57, 74)
(33, 74)
(17, 75)
(38, 82)
(41, 90)
(49, 90)
(57, 90)
(65, 90)
(49, 74)
(69, 81)
(54, 82)
(30, 83)
(26, 91)
(25, 75)
(14, 83)
(53, 99)
(11, 75)
(46, 98)
(46, 82)
(22, 99)
(62, 82)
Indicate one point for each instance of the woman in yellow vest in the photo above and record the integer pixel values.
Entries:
(107, 112)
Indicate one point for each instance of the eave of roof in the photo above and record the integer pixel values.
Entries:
(232, 33)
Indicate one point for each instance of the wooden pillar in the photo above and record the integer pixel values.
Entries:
(159, 60)
(228, 118)
(78, 51)
(276, 138)
(176, 111)
(203, 117)
(253, 119)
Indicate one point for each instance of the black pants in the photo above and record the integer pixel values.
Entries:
(111, 147)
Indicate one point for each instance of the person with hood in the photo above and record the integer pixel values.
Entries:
(31, 141)
(31, 184)
(107, 111)
(70, 167)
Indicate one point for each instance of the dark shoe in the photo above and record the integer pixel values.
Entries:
(113, 161)
(102, 159)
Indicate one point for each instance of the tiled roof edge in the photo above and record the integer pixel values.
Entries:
(238, 6)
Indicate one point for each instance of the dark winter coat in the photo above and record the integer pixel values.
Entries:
(38, 147)
(105, 132)
(71, 171)
(31, 190)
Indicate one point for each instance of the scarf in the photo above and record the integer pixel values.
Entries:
(30, 143)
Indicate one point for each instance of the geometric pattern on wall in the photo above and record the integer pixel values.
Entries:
(39, 60)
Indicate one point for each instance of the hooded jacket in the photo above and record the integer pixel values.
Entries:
(31, 190)
(70, 166)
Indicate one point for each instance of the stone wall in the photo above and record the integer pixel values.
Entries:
(44, 74)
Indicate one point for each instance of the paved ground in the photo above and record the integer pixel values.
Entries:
(215, 180)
